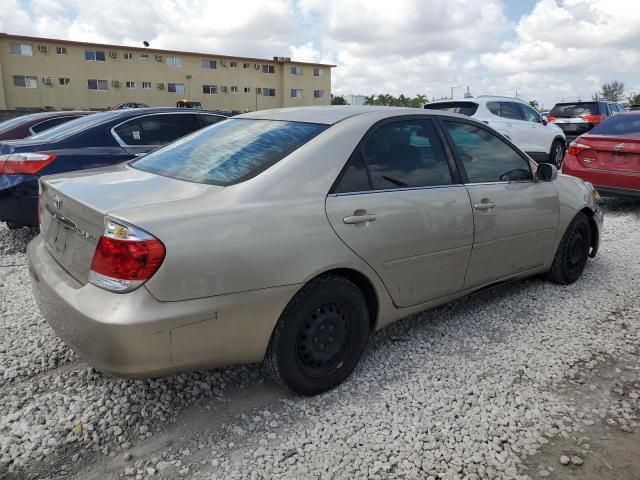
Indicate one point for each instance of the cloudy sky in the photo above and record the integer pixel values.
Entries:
(548, 50)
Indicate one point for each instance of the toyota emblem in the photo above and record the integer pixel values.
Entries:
(618, 147)
(57, 201)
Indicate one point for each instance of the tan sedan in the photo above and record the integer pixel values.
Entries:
(289, 235)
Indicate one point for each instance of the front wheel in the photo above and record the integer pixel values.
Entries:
(320, 336)
(573, 251)
(556, 155)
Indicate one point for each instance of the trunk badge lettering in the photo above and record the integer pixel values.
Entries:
(618, 147)
(57, 201)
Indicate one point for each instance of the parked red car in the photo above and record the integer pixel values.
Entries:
(30, 124)
(609, 156)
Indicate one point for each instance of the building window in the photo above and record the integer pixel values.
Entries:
(175, 87)
(246, 65)
(268, 69)
(209, 89)
(61, 50)
(247, 89)
(25, 81)
(100, 85)
(269, 92)
(127, 56)
(318, 94)
(21, 49)
(144, 57)
(234, 89)
(64, 81)
(318, 72)
(211, 64)
(130, 84)
(146, 85)
(94, 55)
(174, 61)
(296, 70)
(296, 93)
(233, 64)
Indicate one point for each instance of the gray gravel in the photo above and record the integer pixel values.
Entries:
(469, 390)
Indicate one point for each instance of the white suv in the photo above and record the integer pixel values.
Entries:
(513, 118)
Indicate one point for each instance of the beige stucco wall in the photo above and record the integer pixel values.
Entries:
(77, 95)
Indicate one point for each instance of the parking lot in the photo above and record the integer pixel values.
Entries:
(504, 384)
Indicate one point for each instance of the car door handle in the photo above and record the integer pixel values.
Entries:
(359, 217)
(484, 205)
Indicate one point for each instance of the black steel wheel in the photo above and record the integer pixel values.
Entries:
(573, 252)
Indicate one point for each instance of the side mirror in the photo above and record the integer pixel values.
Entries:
(545, 120)
(546, 172)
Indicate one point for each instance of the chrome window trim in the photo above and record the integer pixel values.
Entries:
(500, 182)
(122, 142)
(400, 189)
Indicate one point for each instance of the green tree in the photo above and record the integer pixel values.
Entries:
(633, 99)
(370, 100)
(612, 91)
(534, 104)
(338, 100)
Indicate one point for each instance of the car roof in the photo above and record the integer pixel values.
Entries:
(480, 98)
(330, 115)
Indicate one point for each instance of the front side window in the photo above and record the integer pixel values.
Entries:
(157, 129)
(101, 85)
(25, 81)
(94, 55)
(229, 152)
(494, 107)
(174, 61)
(209, 64)
(530, 115)
(486, 158)
(510, 110)
(175, 87)
(21, 49)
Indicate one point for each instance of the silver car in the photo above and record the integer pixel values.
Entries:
(289, 235)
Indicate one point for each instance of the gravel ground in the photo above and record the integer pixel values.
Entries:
(475, 389)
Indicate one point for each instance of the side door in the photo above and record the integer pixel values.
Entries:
(399, 205)
(519, 127)
(516, 217)
(141, 135)
(541, 137)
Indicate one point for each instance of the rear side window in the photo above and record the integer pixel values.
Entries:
(229, 152)
(52, 122)
(624, 124)
(568, 110)
(486, 158)
(511, 110)
(464, 108)
(156, 129)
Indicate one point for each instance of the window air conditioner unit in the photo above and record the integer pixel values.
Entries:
(258, 90)
(160, 86)
(43, 48)
(159, 58)
(287, 59)
(115, 83)
(47, 80)
(113, 54)
(223, 63)
(281, 59)
(224, 89)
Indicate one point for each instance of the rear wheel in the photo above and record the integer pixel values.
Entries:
(573, 251)
(556, 154)
(320, 336)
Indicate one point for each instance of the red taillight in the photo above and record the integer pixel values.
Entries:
(24, 163)
(592, 118)
(552, 119)
(125, 258)
(576, 148)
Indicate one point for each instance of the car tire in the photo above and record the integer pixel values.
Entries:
(573, 252)
(556, 154)
(320, 336)
(13, 225)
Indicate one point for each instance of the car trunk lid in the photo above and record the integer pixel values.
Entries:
(618, 154)
(73, 208)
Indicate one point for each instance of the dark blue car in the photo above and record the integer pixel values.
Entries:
(93, 141)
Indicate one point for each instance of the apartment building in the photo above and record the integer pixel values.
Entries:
(62, 74)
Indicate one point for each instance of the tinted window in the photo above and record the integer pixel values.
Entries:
(465, 108)
(52, 122)
(355, 177)
(619, 125)
(494, 107)
(486, 158)
(157, 129)
(229, 152)
(14, 122)
(511, 110)
(74, 126)
(406, 154)
(211, 119)
(530, 115)
(575, 109)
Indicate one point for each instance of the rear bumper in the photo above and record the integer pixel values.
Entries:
(135, 335)
(607, 183)
(19, 199)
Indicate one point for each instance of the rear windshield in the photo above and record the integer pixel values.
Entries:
(14, 122)
(229, 152)
(74, 126)
(465, 108)
(569, 110)
(624, 124)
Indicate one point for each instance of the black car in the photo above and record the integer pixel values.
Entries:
(576, 118)
(92, 141)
